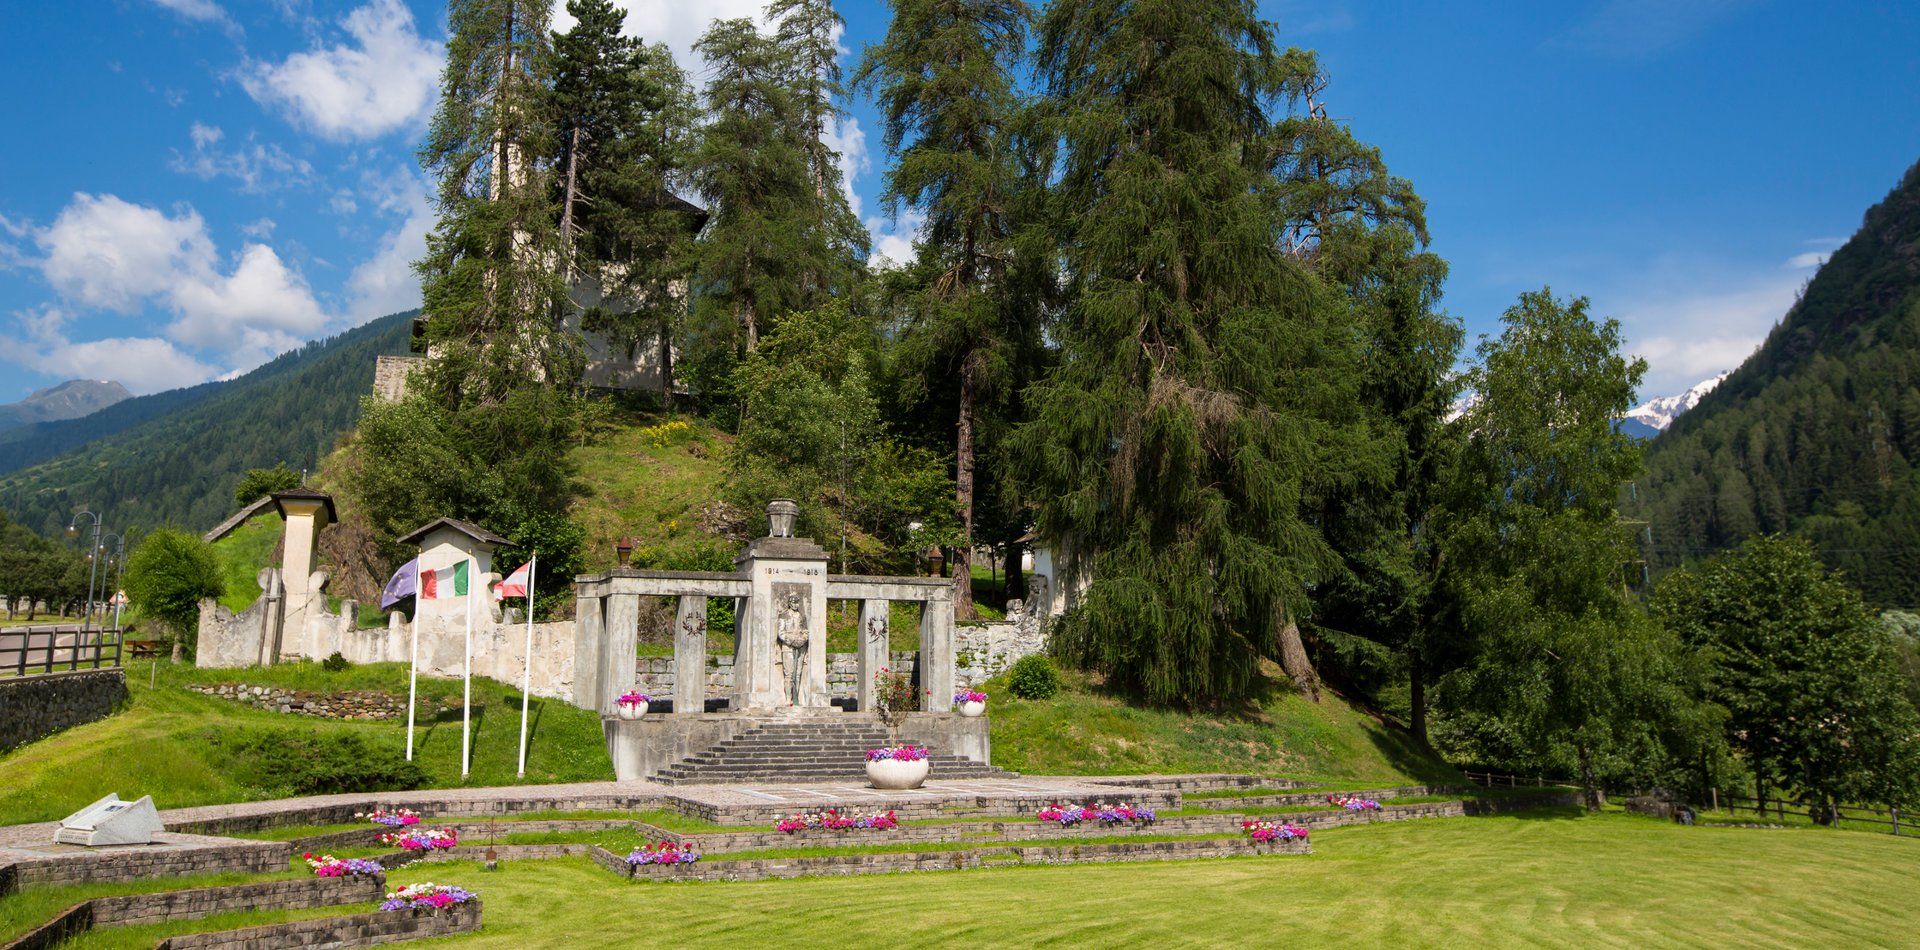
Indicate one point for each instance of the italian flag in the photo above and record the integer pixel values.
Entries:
(434, 584)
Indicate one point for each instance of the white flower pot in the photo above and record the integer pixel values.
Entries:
(891, 773)
(631, 711)
(972, 709)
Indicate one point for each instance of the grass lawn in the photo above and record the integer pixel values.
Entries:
(158, 744)
(1086, 731)
(1547, 879)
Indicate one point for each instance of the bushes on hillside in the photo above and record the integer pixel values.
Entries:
(168, 575)
(280, 763)
(1033, 677)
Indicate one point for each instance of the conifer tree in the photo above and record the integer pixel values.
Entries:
(1200, 381)
(492, 296)
(943, 77)
(624, 112)
(807, 32)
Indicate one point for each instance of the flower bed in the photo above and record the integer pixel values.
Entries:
(1110, 815)
(1268, 831)
(427, 896)
(399, 817)
(833, 820)
(327, 865)
(423, 839)
(666, 852)
(1352, 803)
(902, 753)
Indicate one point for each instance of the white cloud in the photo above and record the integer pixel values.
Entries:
(676, 23)
(384, 80)
(194, 9)
(104, 252)
(258, 230)
(258, 168)
(386, 283)
(845, 137)
(1692, 320)
(142, 364)
(893, 240)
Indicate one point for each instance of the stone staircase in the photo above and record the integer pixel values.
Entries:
(808, 751)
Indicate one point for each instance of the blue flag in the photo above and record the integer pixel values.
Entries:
(405, 581)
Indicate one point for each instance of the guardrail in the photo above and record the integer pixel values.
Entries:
(42, 649)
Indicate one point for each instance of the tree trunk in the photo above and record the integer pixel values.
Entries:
(1293, 654)
(963, 608)
(566, 205)
(1587, 779)
(666, 362)
(1016, 572)
(1418, 700)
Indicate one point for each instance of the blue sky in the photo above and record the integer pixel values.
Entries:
(191, 186)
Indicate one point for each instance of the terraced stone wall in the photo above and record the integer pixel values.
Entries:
(358, 930)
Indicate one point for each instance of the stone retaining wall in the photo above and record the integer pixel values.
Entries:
(955, 807)
(347, 704)
(1198, 783)
(206, 901)
(475, 830)
(1319, 798)
(849, 864)
(722, 843)
(358, 930)
(39, 705)
(136, 863)
(435, 812)
(135, 909)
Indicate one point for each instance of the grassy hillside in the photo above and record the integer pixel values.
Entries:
(649, 477)
(1087, 731)
(163, 743)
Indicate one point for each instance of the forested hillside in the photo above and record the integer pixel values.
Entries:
(1818, 433)
(179, 465)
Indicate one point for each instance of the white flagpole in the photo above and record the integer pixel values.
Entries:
(466, 674)
(526, 677)
(413, 659)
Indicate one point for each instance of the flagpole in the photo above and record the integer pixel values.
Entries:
(526, 677)
(466, 674)
(413, 663)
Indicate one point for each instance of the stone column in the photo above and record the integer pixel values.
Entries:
(306, 514)
(936, 651)
(874, 635)
(690, 657)
(620, 664)
(588, 631)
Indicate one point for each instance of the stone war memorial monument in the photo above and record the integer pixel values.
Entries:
(780, 718)
(778, 706)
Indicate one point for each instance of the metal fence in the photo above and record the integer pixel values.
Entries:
(1888, 818)
(50, 647)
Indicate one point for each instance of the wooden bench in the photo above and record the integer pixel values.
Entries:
(146, 649)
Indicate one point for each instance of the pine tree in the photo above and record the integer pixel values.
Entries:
(625, 115)
(943, 80)
(807, 33)
(1200, 382)
(492, 295)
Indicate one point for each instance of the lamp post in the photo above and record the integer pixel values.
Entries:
(119, 574)
(93, 563)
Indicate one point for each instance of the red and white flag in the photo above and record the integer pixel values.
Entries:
(515, 584)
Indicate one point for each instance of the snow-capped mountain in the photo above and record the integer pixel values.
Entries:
(1657, 414)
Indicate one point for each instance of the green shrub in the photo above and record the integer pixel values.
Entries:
(335, 663)
(1034, 677)
(287, 762)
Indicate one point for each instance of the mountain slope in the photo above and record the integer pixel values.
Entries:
(1658, 414)
(1819, 431)
(69, 400)
(175, 458)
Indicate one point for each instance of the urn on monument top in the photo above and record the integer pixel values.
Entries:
(781, 514)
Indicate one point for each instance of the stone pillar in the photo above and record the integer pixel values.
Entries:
(690, 657)
(936, 651)
(306, 513)
(874, 635)
(588, 629)
(620, 664)
(789, 577)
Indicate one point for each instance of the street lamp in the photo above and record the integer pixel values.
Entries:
(93, 563)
